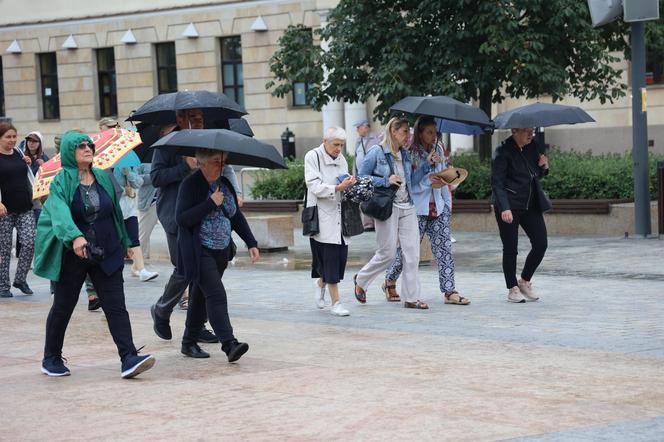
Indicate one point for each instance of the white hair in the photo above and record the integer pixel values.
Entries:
(334, 133)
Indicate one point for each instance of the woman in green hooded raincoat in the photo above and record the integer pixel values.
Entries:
(81, 232)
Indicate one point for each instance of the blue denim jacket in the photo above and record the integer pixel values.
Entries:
(376, 167)
(422, 186)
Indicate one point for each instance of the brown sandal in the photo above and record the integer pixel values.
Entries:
(419, 305)
(457, 300)
(390, 291)
(362, 296)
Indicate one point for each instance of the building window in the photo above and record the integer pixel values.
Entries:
(48, 73)
(654, 67)
(231, 69)
(2, 91)
(300, 94)
(108, 98)
(167, 73)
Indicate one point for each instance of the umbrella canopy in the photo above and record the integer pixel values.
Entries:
(541, 115)
(242, 150)
(111, 146)
(443, 107)
(160, 110)
(454, 127)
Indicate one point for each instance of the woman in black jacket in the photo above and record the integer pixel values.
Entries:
(206, 212)
(518, 199)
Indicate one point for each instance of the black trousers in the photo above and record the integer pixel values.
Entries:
(532, 222)
(111, 294)
(209, 292)
(176, 284)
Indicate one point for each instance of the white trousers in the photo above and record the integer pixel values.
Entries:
(401, 229)
(146, 222)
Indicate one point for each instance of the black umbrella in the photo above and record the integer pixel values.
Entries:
(541, 115)
(242, 150)
(239, 125)
(443, 107)
(160, 110)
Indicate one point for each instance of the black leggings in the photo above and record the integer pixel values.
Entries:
(532, 223)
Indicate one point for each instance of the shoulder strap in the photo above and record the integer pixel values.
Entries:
(306, 193)
(389, 163)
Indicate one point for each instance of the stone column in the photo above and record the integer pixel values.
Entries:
(333, 112)
(352, 113)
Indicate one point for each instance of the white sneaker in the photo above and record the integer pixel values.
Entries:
(319, 295)
(339, 310)
(515, 295)
(146, 275)
(526, 289)
(135, 272)
(452, 240)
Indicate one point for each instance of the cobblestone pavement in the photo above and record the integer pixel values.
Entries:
(584, 363)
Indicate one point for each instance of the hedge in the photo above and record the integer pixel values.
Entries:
(574, 175)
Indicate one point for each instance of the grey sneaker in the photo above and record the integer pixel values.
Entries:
(526, 289)
(515, 295)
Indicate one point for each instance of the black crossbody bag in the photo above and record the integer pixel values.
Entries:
(380, 204)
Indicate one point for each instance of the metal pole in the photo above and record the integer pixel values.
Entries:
(640, 132)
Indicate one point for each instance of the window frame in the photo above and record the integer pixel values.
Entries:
(55, 89)
(167, 67)
(2, 91)
(307, 86)
(236, 87)
(113, 93)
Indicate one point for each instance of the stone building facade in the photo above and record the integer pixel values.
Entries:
(60, 55)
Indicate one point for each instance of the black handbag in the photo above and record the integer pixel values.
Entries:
(380, 204)
(544, 202)
(310, 226)
(351, 219)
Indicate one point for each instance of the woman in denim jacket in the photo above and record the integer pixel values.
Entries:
(400, 228)
(434, 209)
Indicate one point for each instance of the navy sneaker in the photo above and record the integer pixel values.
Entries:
(54, 366)
(133, 365)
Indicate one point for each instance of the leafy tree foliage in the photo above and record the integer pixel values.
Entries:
(467, 49)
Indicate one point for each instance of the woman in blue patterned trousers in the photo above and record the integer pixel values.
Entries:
(433, 204)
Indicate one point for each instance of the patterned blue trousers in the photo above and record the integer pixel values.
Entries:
(439, 233)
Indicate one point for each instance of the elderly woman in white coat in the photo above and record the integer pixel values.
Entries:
(326, 177)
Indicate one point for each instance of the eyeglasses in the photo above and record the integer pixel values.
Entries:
(85, 145)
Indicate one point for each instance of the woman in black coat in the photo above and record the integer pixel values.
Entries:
(519, 200)
(206, 212)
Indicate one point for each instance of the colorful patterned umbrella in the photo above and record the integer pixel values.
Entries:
(110, 146)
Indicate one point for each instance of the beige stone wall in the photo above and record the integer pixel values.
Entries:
(198, 60)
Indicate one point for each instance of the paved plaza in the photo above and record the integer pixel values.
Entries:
(585, 363)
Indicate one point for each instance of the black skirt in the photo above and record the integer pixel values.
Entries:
(328, 261)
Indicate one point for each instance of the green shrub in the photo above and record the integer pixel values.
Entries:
(287, 184)
(574, 175)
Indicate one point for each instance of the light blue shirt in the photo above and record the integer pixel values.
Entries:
(421, 190)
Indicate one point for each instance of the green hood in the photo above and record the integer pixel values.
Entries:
(56, 228)
(68, 144)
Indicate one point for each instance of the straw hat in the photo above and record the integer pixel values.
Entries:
(451, 176)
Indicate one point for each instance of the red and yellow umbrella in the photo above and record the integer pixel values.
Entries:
(110, 146)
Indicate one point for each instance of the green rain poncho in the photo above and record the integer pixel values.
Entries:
(56, 228)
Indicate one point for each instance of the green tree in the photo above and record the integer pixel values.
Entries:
(467, 49)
